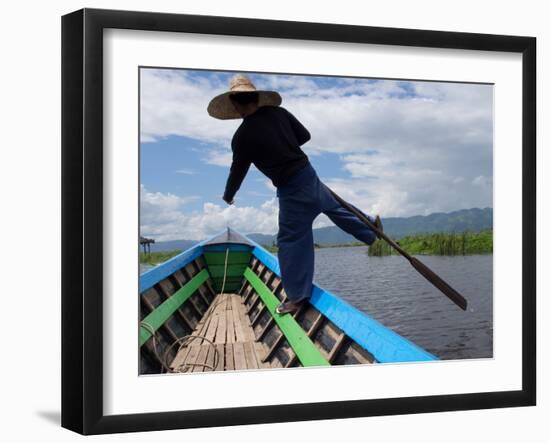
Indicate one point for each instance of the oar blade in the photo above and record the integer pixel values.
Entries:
(439, 283)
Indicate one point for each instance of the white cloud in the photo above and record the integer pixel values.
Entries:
(411, 194)
(174, 104)
(185, 171)
(218, 158)
(322, 221)
(163, 217)
(164, 200)
(482, 181)
(433, 140)
(269, 184)
(356, 123)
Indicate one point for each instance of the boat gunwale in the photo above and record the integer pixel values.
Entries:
(383, 343)
(304, 348)
(160, 315)
(386, 345)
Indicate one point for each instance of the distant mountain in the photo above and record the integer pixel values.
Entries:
(262, 239)
(457, 221)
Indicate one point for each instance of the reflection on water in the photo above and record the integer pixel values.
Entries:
(392, 292)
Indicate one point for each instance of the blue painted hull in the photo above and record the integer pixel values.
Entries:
(380, 343)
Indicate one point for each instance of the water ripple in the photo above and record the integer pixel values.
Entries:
(392, 292)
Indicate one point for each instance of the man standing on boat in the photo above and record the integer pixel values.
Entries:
(270, 137)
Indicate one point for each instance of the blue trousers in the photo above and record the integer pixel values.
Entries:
(301, 200)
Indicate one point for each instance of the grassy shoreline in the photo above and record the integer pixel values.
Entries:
(156, 258)
(439, 243)
(462, 243)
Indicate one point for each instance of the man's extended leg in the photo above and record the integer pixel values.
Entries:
(350, 223)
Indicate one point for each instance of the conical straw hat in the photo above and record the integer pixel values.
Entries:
(222, 108)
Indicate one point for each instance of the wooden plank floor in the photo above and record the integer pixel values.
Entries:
(227, 326)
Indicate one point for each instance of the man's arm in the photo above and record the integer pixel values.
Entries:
(237, 173)
(302, 134)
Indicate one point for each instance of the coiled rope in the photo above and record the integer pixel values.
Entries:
(186, 339)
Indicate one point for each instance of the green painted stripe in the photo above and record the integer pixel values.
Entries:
(218, 258)
(232, 271)
(163, 312)
(305, 349)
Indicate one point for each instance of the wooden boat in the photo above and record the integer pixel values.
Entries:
(212, 308)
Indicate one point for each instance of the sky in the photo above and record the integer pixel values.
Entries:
(390, 147)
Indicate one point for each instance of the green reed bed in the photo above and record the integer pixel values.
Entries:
(155, 258)
(462, 243)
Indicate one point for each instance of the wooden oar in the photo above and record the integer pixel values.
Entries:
(428, 274)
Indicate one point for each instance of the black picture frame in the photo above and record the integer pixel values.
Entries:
(82, 218)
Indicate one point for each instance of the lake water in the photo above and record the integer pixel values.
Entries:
(392, 292)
